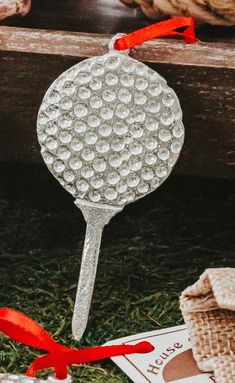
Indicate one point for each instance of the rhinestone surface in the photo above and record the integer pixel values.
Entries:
(110, 129)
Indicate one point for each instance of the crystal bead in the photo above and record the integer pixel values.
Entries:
(161, 171)
(111, 79)
(91, 138)
(65, 137)
(155, 89)
(115, 160)
(113, 178)
(124, 95)
(135, 163)
(94, 196)
(83, 78)
(95, 84)
(151, 124)
(124, 169)
(51, 127)
(153, 106)
(127, 80)
(150, 159)
(140, 98)
(166, 117)
(66, 103)
(105, 130)
(97, 69)
(136, 131)
(87, 154)
(58, 166)
(80, 110)
(87, 171)
(122, 111)
(140, 69)
(143, 187)
(51, 143)
(63, 153)
(125, 154)
(132, 180)
(68, 88)
(96, 102)
(178, 130)
(163, 154)
(93, 121)
(150, 143)
(110, 193)
(84, 93)
(68, 176)
(139, 115)
(99, 164)
(121, 186)
(141, 83)
(108, 95)
(147, 173)
(48, 158)
(82, 185)
(136, 148)
(65, 121)
(53, 111)
(106, 113)
(175, 147)
(119, 128)
(112, 62)
(79, 126)
(102, 146)
(168, 99)
(97, 182)
(117, 144)
(75, 163)
(76, 144)
(164, 134)
(129, 195)
(53, 97)
(128, 66)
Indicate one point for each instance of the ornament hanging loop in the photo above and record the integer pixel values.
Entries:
(113, 41)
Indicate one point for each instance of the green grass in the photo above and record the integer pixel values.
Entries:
(150, 253)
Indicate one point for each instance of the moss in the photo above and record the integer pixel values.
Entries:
(150, 253)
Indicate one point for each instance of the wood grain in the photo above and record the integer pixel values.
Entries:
(82, 45)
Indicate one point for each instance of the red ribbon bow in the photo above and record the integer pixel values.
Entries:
(164, 28)
(25, 330)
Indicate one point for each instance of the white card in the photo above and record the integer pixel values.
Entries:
(171, 360)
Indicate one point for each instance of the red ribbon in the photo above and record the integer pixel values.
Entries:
(25, 330)
(164, 28)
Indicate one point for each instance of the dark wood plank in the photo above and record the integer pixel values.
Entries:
(103, 16)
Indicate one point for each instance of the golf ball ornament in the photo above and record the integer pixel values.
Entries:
(110, 130)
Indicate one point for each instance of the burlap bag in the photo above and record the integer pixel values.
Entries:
(208, 308)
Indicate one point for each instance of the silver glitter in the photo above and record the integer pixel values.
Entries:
(110, 131)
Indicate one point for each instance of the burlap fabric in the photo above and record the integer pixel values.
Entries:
(208, 308)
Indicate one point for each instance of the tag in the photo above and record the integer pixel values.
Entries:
(171, 361)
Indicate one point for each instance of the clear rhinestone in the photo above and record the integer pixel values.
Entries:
(97, 69)
(124, 95)
(99, 164)
(75, 163)
(106, 113)
(166, 117)
(94, 196)
(163, 154)
(91, 138)
(82, 185)
(102, 146)
(79, 127)
(58, 166)
(87, 154)
(121, 186)
(105, 130)
(115, 160)
(84, 92)
(68, 176)
(63, 152)
(65, 121)
(132, 180)
(87, 171)
(119, 128)
(141, 83)
(93, 121)
(80, 110)
(111, 79)
(113, 178)
(168, 99)
(65, 137)
(164, 134)
(97, 182)
(127, 80)
(51, 143)
(147, 173)
(122, 111)
(96, 102)
(66, 103)
(95, 84)
(110, 193)
(108, 95)
(76, 144)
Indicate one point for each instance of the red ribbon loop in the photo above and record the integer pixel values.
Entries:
(164, 28)
(25, 330)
